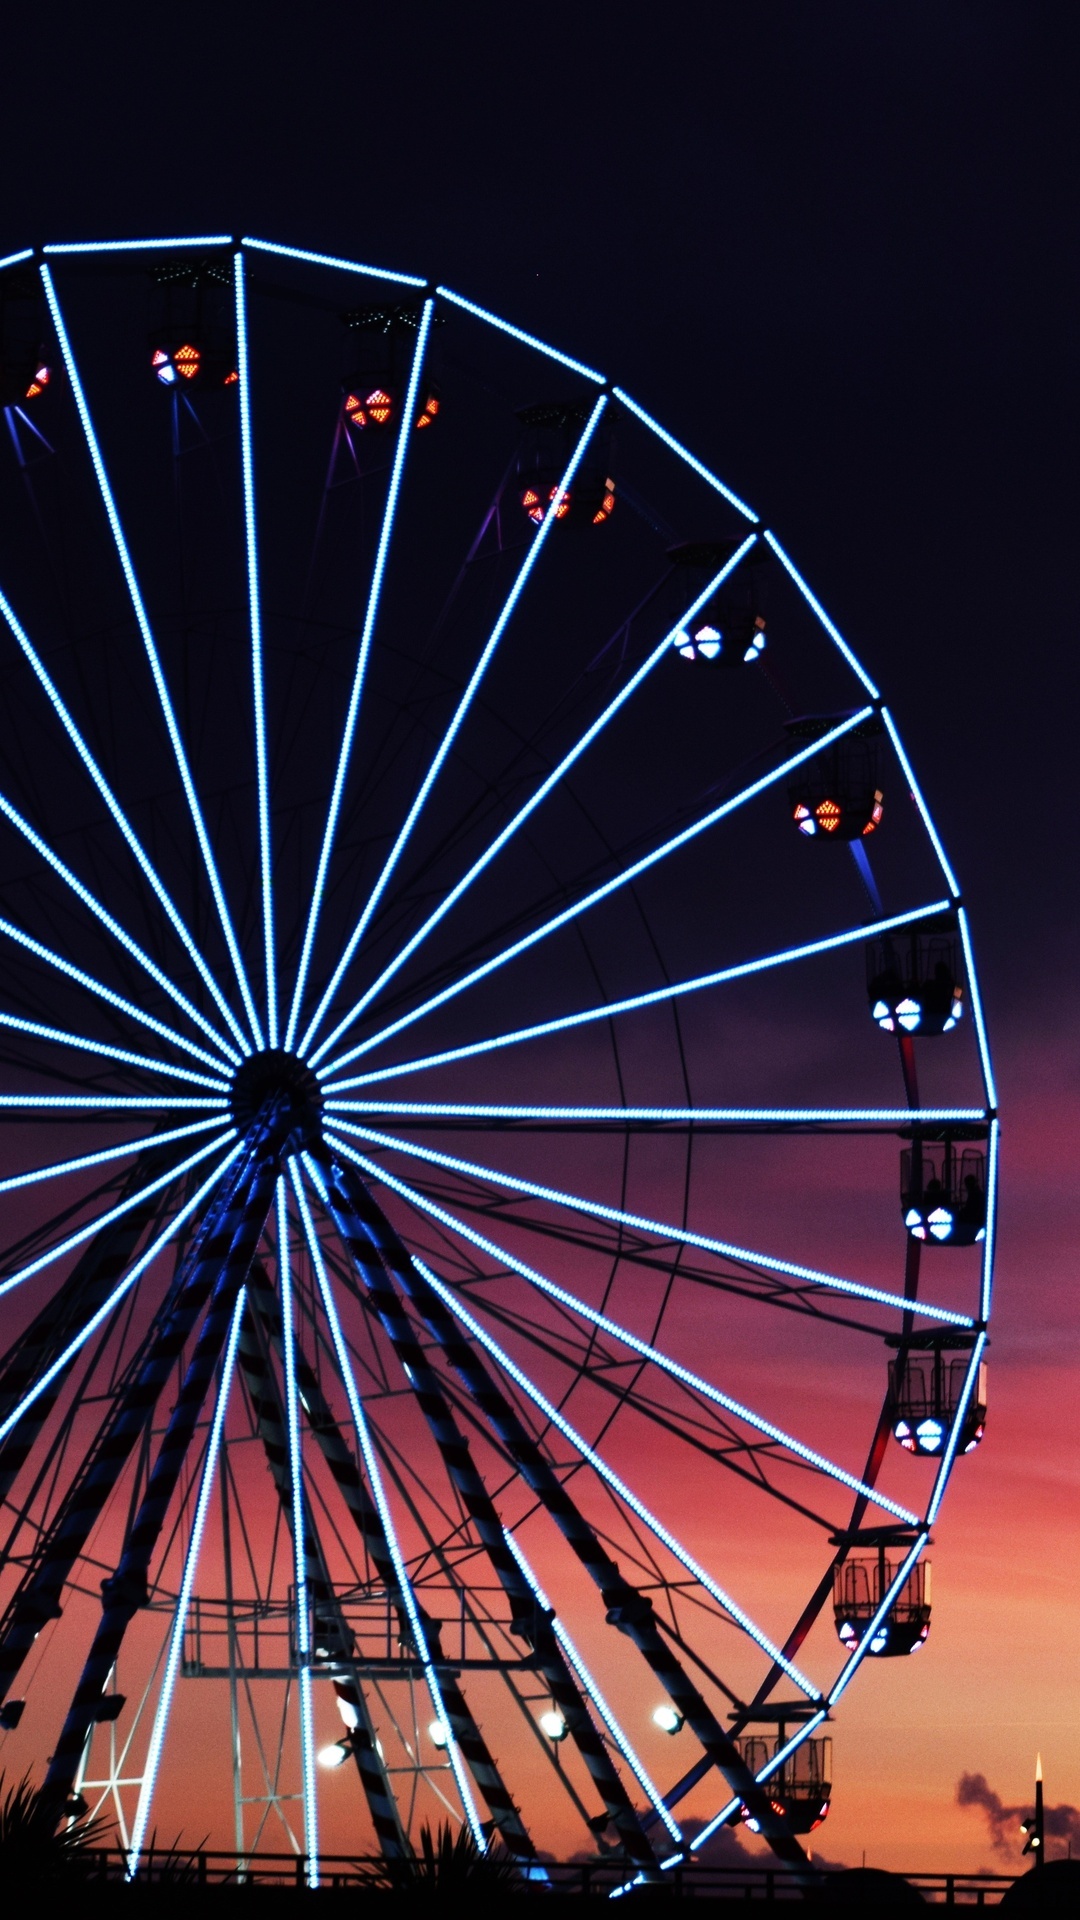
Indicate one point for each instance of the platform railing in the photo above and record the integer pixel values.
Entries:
(765, 1884)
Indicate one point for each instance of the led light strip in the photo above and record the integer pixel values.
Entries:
(608, 1474)
(149, 1142)
(680, 1236)
(945, 1468)
(536, 547)
(137, 246)
(546, 786)
(592, 899)
(916, 794)
(103, 992)
(685, 454)
(636, 1765)
(636, 1001)
(115, 1213)
(123, 823)
(647, 1352)
(331, 260)
(989, 1244)
(124, 1286)
(135, 595)
(406, 429)
(766, 1773)
(989, 1083)
(378, 1494)
(187, 1582)
(85, 1045)
(847, 1672)
(833, 632)
(108, 1103)
(296, 1486)
(662, 1116)
(102, 914)
(258, 695)
(517, 333)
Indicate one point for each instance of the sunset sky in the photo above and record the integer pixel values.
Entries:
(835, 247)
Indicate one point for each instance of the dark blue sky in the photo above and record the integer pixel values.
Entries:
(834, 246)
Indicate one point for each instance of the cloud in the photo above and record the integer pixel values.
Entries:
(725, 1849)
(974, 1790)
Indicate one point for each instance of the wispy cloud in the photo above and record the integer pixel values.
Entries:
(974, 1790)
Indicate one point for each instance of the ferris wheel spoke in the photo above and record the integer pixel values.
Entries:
(478, 1503)
(557, 1118)
(93, 1274)
(633, 1004)
(677, 1235)
(359, 1221)
(297, 1506)
(82, 1042)
(622, 879)
(262, 778)
(129, 1147)
(547, 786)
(613, 1480)
(102, 914)
(375, 1528)
(632, 1758)
(814, 603)
(213, 1270)
(123, 1287)
(115, 1213)
(266, 1398)
(28, 1103)
(117, 813)
(56, 960)
(146, 632)
(535, 549)
(405, 432)
(375, 1482)
(158, 1732)
(644, 1348)
(126, 1589)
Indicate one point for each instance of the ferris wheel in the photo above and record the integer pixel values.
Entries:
(500, 1134)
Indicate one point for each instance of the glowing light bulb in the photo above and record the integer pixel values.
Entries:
(667, 1718)
(553, 1724)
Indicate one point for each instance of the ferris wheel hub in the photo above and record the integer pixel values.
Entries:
(276, 1072)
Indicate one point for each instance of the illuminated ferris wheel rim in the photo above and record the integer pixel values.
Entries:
(270, 1059)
